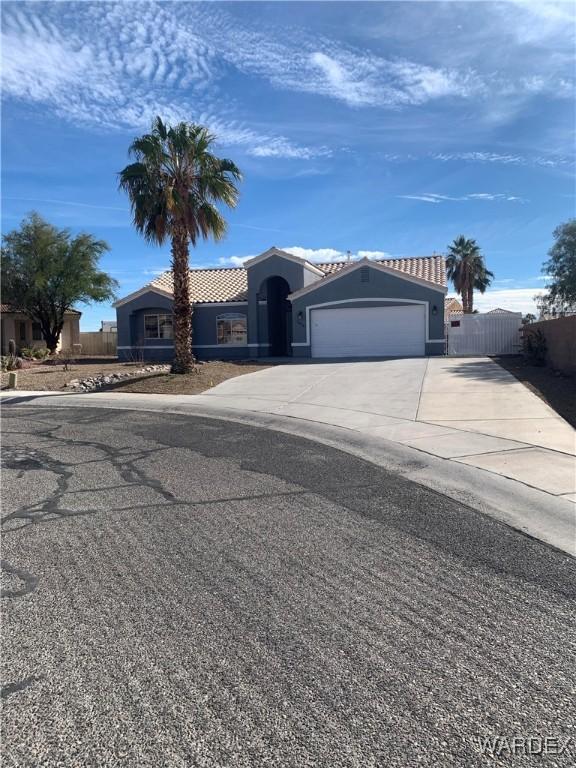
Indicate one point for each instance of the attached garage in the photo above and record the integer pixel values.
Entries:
(398, 331)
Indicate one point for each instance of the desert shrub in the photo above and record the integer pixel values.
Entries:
(63, 357)
(11, 363)
(40, 353)
(27, 353)
(534, 346)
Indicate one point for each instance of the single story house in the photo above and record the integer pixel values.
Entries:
(28, 334)
(278, 304)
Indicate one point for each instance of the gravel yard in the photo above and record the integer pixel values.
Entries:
(207, 376)
(54, 377)
(557, 390)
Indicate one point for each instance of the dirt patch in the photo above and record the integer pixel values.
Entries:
(208, 376)
(557, 390)
(53, 377)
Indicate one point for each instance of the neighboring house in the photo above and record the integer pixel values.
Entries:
(26, 333)
(279, 305)
(452, 305)
(500, 311)
(108, 326)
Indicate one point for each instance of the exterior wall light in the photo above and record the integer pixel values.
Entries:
(434, 310)
(300, 317)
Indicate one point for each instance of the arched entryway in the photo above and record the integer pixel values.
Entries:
(279, 317)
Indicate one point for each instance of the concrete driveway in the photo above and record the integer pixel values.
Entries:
(468, 410)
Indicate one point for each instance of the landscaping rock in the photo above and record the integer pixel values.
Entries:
(91, 383)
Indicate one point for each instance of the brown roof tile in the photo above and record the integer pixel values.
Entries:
(452, 304)
(221, 284)
(210, 285)
(431, 268)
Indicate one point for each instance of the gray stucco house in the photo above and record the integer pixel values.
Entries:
(280, 305)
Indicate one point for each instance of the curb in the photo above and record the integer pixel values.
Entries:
(534, 513)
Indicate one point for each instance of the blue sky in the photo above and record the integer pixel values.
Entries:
(380, 128)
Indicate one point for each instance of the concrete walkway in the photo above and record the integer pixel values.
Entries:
(468, 410)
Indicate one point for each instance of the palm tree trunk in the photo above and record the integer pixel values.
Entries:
(183, 361)
(470, 299)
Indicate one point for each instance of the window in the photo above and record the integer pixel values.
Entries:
(21, 324)
(36, 332)
(158, 327)
(231, 329)
(455, 323)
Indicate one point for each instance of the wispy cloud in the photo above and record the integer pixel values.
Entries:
(482, 157)
(515, 299)
(432, 197)
(154, 61)
(72, 203)
(116, 65)
(234, 261)
(501, 158)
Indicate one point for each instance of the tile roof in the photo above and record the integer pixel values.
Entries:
(210, 285)
(452, 304)
(431, 268)
(221, 284)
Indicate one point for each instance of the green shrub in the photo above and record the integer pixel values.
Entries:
(40, 353)
(27, 353)
(534, 346)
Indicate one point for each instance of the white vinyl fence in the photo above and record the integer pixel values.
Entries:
(98, 343)
(484, 334)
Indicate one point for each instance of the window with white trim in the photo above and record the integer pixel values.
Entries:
(231, 329)
(158, 327)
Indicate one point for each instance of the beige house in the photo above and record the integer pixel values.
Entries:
(25, 333)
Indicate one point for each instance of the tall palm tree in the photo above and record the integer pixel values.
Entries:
(466, 269)
(174, 186)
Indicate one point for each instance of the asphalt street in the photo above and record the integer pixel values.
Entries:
(180, 591)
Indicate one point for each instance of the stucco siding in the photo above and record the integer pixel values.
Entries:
(273, 266)
(132, 343)
(379, 289)
(70, 332)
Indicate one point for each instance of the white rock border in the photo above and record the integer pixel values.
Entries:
(90, 383)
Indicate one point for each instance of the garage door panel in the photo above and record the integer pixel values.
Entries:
(368, 331)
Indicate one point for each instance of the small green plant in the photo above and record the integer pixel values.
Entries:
(27, 353)
(41, 353)
(11, 363)
(534, 346)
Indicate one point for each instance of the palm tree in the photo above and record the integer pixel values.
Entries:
(466, 269)
(174, 186)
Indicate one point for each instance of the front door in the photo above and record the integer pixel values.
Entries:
(279, 317)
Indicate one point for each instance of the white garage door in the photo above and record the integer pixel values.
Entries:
(368, 332)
